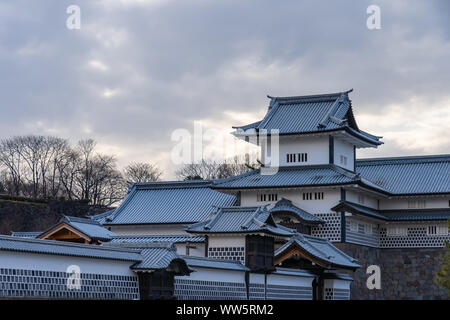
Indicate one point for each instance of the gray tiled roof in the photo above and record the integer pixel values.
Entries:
(293, 272)
(322, 249)
(89, 227)
(156, 238)
(169, 202)
(295, 176)
(205, 262)
(287, 205)
(395, 215)
(64, 248)
(156, 256)
(308, 114)
(240, 220)
(101, 218)
(30, 235)
(408, 175)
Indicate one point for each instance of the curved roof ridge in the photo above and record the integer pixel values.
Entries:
(309, 96)
(411, 159)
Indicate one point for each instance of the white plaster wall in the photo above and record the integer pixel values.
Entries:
(369, 201)
(285, 280)
(431, 203)
(160, 229)
(209, 274)
(317, 148)
(47, 262)
(337, 284)
(256, 278)
(226, 241)
(332, 197)
(345, 149)
(198, 251)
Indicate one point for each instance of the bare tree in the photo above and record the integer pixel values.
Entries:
(142, 172)
(47, 167)
(209, 169)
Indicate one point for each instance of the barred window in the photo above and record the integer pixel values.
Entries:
(264, 197)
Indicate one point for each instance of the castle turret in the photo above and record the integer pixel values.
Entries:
(311, 130)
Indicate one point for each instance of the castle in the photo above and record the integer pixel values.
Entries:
(306, 225)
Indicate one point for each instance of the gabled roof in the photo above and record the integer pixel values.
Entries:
(89, 227)
(321, 249)
(408, 175)
(240, 220)
(394, 215)
(63, 248)
(86, 226)
(175, 238)
(311, 114)
(169, 202)
(286, 205)
(296, 176)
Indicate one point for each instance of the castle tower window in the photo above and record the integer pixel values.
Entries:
(296, 157)
(417, 204)
(343, 160)
(437, 230)
(265, 197)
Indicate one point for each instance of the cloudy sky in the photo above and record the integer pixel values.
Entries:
(137, 70)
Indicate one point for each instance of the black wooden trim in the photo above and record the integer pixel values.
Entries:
(331, 149)
(343, 224)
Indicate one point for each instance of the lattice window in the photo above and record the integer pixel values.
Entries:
(229, 253)
(328, 294)
(20, 283)
(332, 227)
(186, 289)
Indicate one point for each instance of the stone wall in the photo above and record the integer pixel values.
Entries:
(405, 273)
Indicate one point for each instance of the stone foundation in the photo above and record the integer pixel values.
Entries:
(405, 273)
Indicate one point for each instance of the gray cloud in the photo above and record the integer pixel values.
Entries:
(138, 70)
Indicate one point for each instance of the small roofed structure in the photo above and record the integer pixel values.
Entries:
(291, 216)
(253, 231)
(322, 113)
(321, 258)
(160, 264)
(80, 230)
(251, 220)
(313, 253)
